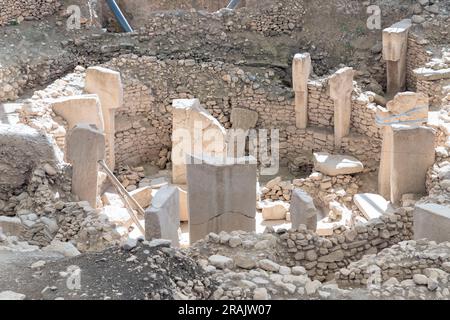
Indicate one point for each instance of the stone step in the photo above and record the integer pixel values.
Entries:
(372, 205)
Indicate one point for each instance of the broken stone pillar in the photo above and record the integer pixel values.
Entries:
(395, 44)
(80, 109)
(162, 219)
(301, 69)
(408, 108)
(107, 84)
(412, 155)
(432, 221)
(194, 132)
(303, 210)
(85, 147)
(221, 195)
(341, 87)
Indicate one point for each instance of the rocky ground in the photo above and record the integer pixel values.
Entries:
(153, 270)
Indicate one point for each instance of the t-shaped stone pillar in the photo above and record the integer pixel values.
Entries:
(107, 84)
(301, 68)
(85, 147)
(409, 109)
(341, 87)
(194, 132)
(395, 44)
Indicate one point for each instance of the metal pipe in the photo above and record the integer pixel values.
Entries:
(233, 4)
(119, 16)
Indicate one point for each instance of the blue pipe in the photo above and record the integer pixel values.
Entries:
(119, 16)
(233, 4)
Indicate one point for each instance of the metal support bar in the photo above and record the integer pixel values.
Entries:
(119, 16)
(233, 4)
(125, 197)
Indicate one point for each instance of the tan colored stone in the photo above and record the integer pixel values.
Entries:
(301, 69)
(395, 43)
(107, 84)
(341, 87)
(85, 147)
(195, 132)
(80, 109)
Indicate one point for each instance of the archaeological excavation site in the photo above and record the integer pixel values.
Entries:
(224, 150)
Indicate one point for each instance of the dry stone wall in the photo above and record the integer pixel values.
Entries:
(323, 256)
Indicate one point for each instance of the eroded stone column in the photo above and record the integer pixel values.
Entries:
(107, 84)
(395, 44)
(407, 108)
(221, 195)
(301, 69)
(85, 147)
(412, 155)
(162, 219)
(195, 132)
(341, 87)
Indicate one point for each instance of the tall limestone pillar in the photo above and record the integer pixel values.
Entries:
(408, 110)
(107, 84)
(301, 68)
(395, 44)
(341, 87)
(85, 146)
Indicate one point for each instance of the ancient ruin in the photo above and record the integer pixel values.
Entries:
(217, 150)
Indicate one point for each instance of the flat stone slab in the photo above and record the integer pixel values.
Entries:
(372, 205)
(333, 164)
(432, 221)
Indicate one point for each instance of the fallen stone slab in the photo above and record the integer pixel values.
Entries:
(333, 164)
(372, 205)
(432, 221)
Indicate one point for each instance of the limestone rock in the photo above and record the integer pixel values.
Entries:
(334, 165)
(275, 210)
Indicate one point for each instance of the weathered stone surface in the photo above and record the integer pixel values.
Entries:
(341, 88)
(412, 155)
(162, 219)
(334, 165)
(85, 147)
(372, 205)
(303, 210)
(408, 107)
(184, 211)
(66, 248)
(31, 147)
(80, 109)
(143, 196)
(107, 84)
(432, 221)
(395, 42)
(301, 69)
(243, 118)
(195, 132)
(275, 210)
(221, 195)
(221, 262)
